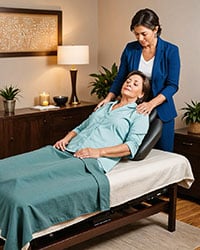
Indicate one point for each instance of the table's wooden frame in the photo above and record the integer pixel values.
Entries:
(116, 217)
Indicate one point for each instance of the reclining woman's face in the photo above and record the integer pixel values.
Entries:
(133, 87)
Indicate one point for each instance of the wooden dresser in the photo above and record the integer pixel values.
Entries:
(189, 146)
(29, 129)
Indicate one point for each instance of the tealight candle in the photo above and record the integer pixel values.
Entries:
(44, 99)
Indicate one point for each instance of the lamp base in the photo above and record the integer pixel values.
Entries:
(73, 99)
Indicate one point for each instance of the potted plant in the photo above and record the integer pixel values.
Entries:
(103, 81)
(10, 94)
(192, 116)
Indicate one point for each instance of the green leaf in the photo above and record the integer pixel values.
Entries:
(192, 112)
(103, 81)
(10, 92)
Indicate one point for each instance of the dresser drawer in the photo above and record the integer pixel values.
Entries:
(189, 146)
(68, 120)
(186, 145)
(64, 120)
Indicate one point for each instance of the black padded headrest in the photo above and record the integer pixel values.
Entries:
(151, 138)
(153, 115)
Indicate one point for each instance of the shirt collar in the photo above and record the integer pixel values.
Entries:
(132, 105)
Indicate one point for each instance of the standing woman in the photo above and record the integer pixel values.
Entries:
(160, 61)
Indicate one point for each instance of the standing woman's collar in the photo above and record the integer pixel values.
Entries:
(159, 45)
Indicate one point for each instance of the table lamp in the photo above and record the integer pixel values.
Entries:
(73, 55)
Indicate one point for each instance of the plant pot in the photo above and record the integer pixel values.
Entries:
(194, 128)
(9, 106)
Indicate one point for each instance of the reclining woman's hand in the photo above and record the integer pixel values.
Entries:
(87, 153)
(61, 144)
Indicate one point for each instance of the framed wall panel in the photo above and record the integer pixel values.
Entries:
(29, 32)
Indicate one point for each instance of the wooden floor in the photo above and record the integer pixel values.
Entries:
(188, 212)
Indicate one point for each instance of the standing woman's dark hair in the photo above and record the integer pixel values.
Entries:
(147, 18)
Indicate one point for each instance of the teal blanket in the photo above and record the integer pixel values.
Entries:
(46, 187)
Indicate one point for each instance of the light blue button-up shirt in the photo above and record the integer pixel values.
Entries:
(106, 127)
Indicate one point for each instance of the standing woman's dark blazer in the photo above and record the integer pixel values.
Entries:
(165, 74)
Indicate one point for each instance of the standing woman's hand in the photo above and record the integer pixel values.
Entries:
(103, 102)
(145, 108)
(108, 98)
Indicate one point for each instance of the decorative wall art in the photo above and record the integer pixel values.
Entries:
(29, 32)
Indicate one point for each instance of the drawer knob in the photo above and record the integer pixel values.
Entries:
(187, 143)
(67, 117)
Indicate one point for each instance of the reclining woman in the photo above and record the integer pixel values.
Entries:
(113, 131)
(57, 183)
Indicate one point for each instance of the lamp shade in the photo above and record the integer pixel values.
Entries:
(73, 54)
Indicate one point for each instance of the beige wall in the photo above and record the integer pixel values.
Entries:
(104, 26)
(180, 23)
(37, 74)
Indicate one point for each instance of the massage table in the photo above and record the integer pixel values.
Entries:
(137, 189)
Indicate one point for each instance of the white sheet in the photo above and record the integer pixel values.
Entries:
(132, 179)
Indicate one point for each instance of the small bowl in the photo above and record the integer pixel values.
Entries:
(60, 100)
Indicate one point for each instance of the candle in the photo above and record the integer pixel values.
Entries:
(44, 99)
